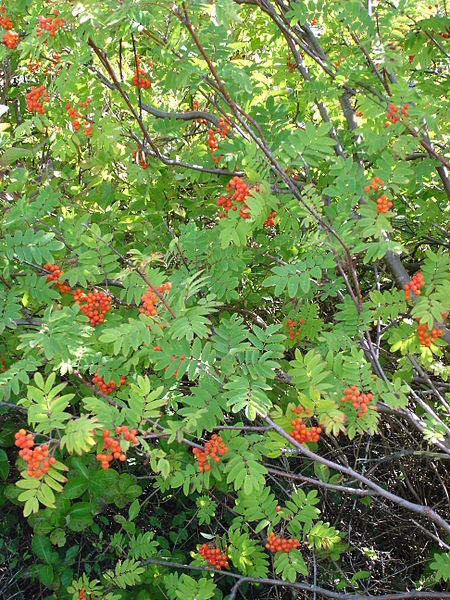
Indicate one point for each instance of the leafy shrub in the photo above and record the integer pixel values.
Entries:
(223, 294)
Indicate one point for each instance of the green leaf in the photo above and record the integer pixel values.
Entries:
(79, 516)
(134, 509)
(41, 547)
(4, 465)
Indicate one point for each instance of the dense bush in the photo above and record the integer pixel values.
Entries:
(223, 293)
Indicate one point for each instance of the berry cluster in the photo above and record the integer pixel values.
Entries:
(139, 78)
(221, 131)
(54, 275)
(149, 299)
(359, 401)
(52, 64)
(291, 325)
(104, 387)
(291, 173)
(55, 272)
(36, 98)
(392, 114)
(5, 22)
(374, 184)
(213, 556)
(212, 145)
(279, 544)
(240, 193)
(139, 157)
(426, 337)
(49, 24)
(270, 219)
(383, 204)
(81, 594)
(182, 358)
(196, 107)
(33, 66)
(37, 457)
(10, 39)
(213, 450)
(75, 115)
(417, 282)
(3, 365)
(96, 305)
(222, 128)
(112, 444)
(291, 65)
(301, 433)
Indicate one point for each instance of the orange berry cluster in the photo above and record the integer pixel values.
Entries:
(37, 457)
(374, 184)
(383, 204)
(241, 192)
(182, 358)
(96, 305)
(33, 66)
(149, 299)
(417, 282)
(139, 157)
(426, 337)
(212, 145)
(279, 544)
(359, 401)
(301, 433)
(291, 325)
(75, 115)
(81, 594)
(213, 556)
(54, 275)
(113, 445)
(213, 450)
(5, 22)
(10, 39)
(139, 73)
(196, 107)
(49, 24)
(55, 272)
(270, 219)
(392, 115)
(291, 173)
(36, 98)
(104, 387)
(222, 128)
(3, 365)
(52, 64)
(291, 65)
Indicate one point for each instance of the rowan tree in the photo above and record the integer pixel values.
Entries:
(224, 291)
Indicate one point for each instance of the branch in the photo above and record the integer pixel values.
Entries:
(417, 508)
(294, 585)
